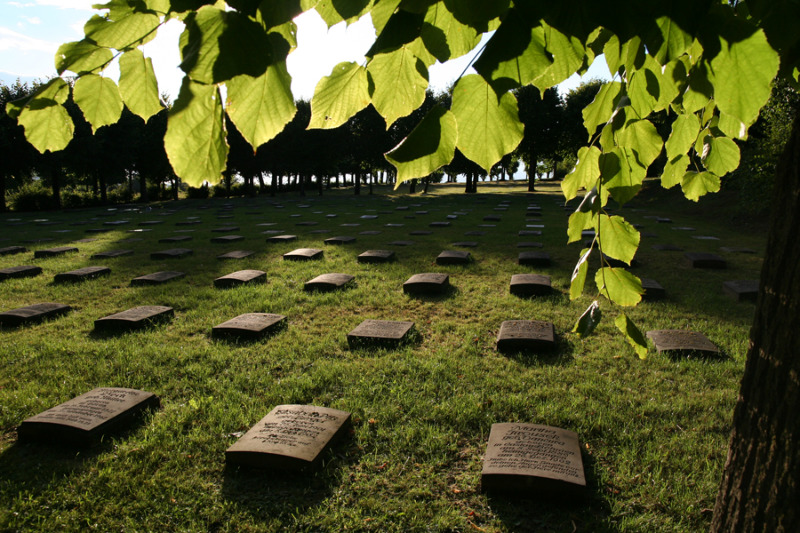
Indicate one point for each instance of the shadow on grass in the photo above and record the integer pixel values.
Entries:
(559, 355)
(447, 293)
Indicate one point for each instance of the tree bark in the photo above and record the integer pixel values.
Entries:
(759, 489)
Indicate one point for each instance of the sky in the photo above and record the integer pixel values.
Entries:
(32, 30)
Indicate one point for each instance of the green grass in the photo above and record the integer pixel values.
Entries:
(654, 431)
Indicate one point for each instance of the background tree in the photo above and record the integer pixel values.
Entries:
(541, 115)
(16, 153)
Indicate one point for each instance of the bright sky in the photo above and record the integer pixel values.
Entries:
(32, 30)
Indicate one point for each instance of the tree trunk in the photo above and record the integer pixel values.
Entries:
(760, 489)
(56, 182)
(412, 188)
(357, 183)
(103, 189)
(176, 183)
(143, 188)
(371, 180)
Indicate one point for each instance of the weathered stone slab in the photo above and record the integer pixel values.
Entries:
(225, 229)
(157, 278)
(427, 283)
(529, 244)
(53, 252)
(290, 437)
(11, 250)
(391, 225)
(350, 225)
(492, 218)
(402, 243)
(85, 419)
(466, 244)
(474, 233)
(172, 253)
(663, 220)
(249, 326)
(241, 277)
(682, 342)
(439, 224)
(376, 256)
(179, 238)
(533, 460)
(82, 274)
(135, 318)
(307, 223)
(370, 232)
(282, 238)
(529, 232)
(453, 257)
(26, 271)
(116, 222)
(368, 217)
(667, 248)
(32, 314)
(303, 254)
(526, 335)
(188, 222)
(705, 260)
(340, 239)
(150, 222)
(227, 238)
(420, 232)
(705, 238)
(735, 250)
(741, 290)
(379, 333)
(536, 259)
(652, 290)
(328, 282)
(111, 254)
(236, 254)
(526, 285)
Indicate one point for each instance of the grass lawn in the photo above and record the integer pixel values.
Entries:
(653, 432)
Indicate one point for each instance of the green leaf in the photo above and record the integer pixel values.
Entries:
(578, 279)
(381, 12)
(632, 334)
(578, 221)
(720, 155)
(487, 129)
(138, 85)
(130, 31)
(732, 126)
(619, 286)
(643, 90)
(588, 320)
(684, 134)
(195, 139)
(477, 13)
(568, 54)
(82, 57)
(675, 43)
(444, 36)
(279, 13)
(744, 69)
(99, 100)
(602, 107)
(674, 171)
(696, 184)
(621, 174)
(430, 146)
(399, 79)
(585, 173)
(618, 239)
(48, 127)
(641, 137)
(336, 11)
(261, 107)
(339, 96)
(612, 51)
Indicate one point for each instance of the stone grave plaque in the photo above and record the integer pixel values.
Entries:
(82, 274)
(526, 335)
(53, 252)
(32, 314)
(466, 244)
(156, 278)
(487, 225)
(663, 220)
(536, 226)
(529, 232)
(225, 229)
(705, 260)
(303, 254)
(402, 243)
(352, 225)
(533, 460)
(368, 217)
(371, 232)
(116, 222)
(379, 333)
(740, 290)
(319, 231)
(536, 259)
(111, 254)
(290, 437)
(667, 248)
(427, 283)
(439, 224)
(453, 257)
(734, 250)
(85, 419)
(705, 238)
(20, 272)
(394, 225)
(683, 228)
(529, 244)
(533, 214)
(526, 285)
(11, 250)
(172, 253)
(652, 290)
(135, 318)
(340, 239)
(376, 256)
(682, 342)
(188, 223)
(249, 326)
(401, 208)
(307, 223)
(150, 222)
(236, 254)
(227, 238)
(282, 238)
(141, 230)
(241, 277)
(474, 233)
(420, 232)
(328, 282)
(492, 218)
(451, 217)
(179, 238)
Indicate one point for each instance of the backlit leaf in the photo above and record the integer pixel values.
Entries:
(621, 174)
(632, 334)
(578, 279)
(339, 96)
(430, 146)
(585, 173)
(721, 156)
(399, 80)
(578, 221)
(81, 57)
(641, 137)
(696, 184)
(99, 100)
(588, 320)
(602, 107)
(675, 43)
(444, 36)
(618, 239)
(138, 85)
(47, 127)
(128, 32)
(619, 286)
(515, 55)
(567, 52)
(683, 135)
(674, 171)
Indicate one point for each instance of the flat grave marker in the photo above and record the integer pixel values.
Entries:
(379, 333)
(303, 254)
(402, 243)
(533, 460)
(526, 335)
(370, 232)
(11, 250)
(172, 253)
(240, 277)
(25, 271)
(282, 238)
(529, 232)
(465, 244)
(529, 244)
(249, 326)
(150, 222)
(705, 260)
(735, 250)
(741, 290)
(474, 233)
(227, 238)
(156, 278)
(376, 256)
(535, 259)
(135, 318)
(453, 257)
(439, 224)
(652, 290)
(111, 254)
(527, 285)
(290, 437)
(84, 419)
(32, 314)
(53, 252)
(328, 282)
(188, 223)
(427, 283)
(492, 218)
(307, 223)
(179, 238)
(236, 254)
(340, 239)
(682, 342)
(225, 229)
(82, 274)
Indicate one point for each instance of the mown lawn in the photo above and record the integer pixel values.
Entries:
(654, 432)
